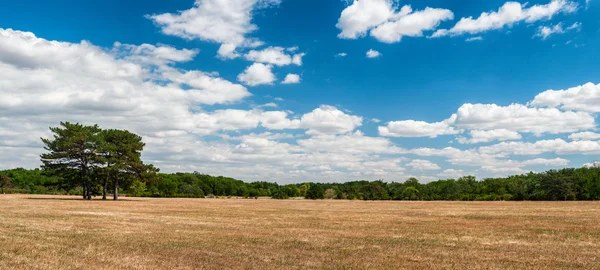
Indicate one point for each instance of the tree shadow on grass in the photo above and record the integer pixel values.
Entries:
(80, 199)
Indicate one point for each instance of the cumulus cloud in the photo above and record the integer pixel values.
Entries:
(509, 14)
(363, 15)
(385, 22)
(581, 98)
(521, 118)
(275, 56)
(257, 74)
(411, 24)
(373, 54)
(451, 173)
(584, 136)
(558, 146)
(228, 51)
(411, 128)
(226, 22)
(330, 120)
(291, 79)
(423, 165)
(342, 54)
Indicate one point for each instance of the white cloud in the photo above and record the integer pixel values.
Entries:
(481, 136)
(363, 15)
(228, 51)
(375, 120)
(387, 23)
(373, 53)
(270, 104)
(153, 55)
(257, 74)
(478, 38)
(423, 165)
(205, 88)
(581, 98)
(584, 136)
(545, 31)
(342, 54)
(291, 79)
(451, 173)
(557, 146)
(507, 15)
(521, 118)
(297, 59)
(411, 24)
(547, 162)
(355, 142)
(330, 120)
(274, 56)
(411, 128)
(595, 164)
(221, 21)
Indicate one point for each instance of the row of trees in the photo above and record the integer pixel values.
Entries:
(566, 184)
(88, 157)
(85, 160)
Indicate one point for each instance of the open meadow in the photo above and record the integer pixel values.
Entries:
(62, 232)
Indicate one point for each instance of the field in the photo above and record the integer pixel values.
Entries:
(54, 232)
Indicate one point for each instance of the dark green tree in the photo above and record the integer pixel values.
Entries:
(315, 192)
(122, 152)
(73, 154)
(410, 193)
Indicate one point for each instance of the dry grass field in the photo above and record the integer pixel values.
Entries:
(53, 232)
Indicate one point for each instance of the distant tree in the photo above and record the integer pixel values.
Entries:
(410, 193)
(315, 192)
(5, 182)
(291, 190)
(303, 189)
(73, 154)
(137, 188)
(329, 193)
(122, 152)
(280, 195)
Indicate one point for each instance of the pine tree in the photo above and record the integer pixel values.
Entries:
(73, 154)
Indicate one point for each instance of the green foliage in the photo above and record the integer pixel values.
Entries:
(410, 193)
(73, 154)
(315, 192)
(280, 195)
(137, 189)
(91, 158)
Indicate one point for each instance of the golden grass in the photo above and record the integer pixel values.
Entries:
(59, 232)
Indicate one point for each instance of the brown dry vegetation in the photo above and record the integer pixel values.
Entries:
(53, 232)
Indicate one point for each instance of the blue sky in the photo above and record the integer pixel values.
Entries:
(201, 107)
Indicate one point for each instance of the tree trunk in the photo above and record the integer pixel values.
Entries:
(89, 194)
(84, 190)
(105, 189)
(116, 194)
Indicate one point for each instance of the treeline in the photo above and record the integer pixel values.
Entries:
(90, 161)
(565, 184)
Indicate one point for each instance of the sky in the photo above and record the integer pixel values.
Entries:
(290, 91)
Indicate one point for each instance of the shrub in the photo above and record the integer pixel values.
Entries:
(315, 192)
